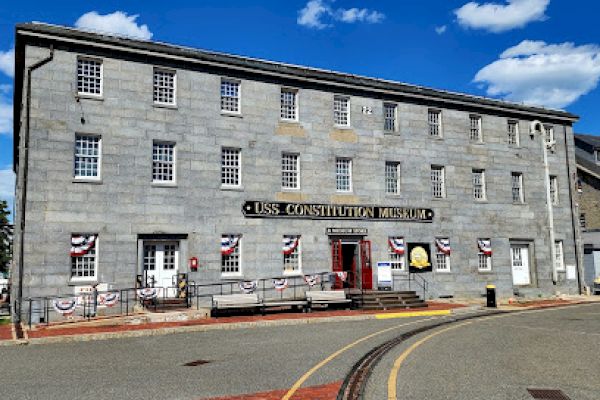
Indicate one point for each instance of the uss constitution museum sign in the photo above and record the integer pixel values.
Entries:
(267, 209)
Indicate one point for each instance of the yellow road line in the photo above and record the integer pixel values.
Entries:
(413, 314)
(311, 371)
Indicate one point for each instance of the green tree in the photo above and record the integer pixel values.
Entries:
(4, 236)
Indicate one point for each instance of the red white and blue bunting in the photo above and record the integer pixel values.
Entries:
(290, 243)
(485, 246)
(341, 275)
(280, 284)
(443, 245)
(81, 244)
(228, 244)
(147, 293)
(65, 306)
(397, 245)
(312, 280)
(248, 287)
(108, 299)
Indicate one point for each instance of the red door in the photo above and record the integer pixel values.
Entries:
(336, 262)
(365, 263)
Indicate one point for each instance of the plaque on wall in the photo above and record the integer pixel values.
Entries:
(347, 231)
(419, 256)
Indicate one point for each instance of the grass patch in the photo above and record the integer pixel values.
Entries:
(4, 321)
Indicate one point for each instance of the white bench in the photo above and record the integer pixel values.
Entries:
(327, 297)
(235, 301)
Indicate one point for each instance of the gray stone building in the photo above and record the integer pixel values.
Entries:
(136, 156)
(587, 154)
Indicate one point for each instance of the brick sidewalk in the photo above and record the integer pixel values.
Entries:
(5, 332)
(322, 392)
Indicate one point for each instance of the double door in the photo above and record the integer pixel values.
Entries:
(353, 258)
(161, 260)
(519, 256)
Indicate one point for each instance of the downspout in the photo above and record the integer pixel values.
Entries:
(573, 216)
(25, 161)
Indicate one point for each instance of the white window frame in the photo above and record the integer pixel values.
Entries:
(233, 168)
(441, 180)
(238, 251)
(83, 257)
(483, 258)
(284, 109)
(397, 261)
(172, 164)
(554, 195)
(239, 95)
(481, 185)
(156, 87)
(521, 199)
(287, 173)
(390, 180)
(475, 128)
(515, 124)
(338, 113)
(297, 254)
(393, 119)
(77, 75)
(339, 175)
(435, 123)
(597, 156)
(559, 254)
(440, 255)
(549, 128)
(98, 158)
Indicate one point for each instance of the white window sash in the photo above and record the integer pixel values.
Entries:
(173, 89)
(100, 80)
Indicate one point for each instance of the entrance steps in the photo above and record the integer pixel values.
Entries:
(385, 300)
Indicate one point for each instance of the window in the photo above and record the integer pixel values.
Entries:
(554, 189)
(164, 87)
(396, 250)
(289, 104)
(230, 96)
(513, 132)
(434, 118)
(231, 167)
(84, 260)
(291, 254)
(559, 258)
(87, 156)
(341, 110)
(597, 156)
(438, 187)
(549, 133)
(231, 254)
(582, 222)
(478, 184)
(343, 174)
(442, 254)
(475, 128)
(517, 187)
(290, 171)
(390, 114)
(392, 177)
(89, 77)
(163, 162)
(484, 255)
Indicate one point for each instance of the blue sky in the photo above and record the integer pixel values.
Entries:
(536, 51)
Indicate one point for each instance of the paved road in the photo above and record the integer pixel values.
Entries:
(499, 358)
(241, 361)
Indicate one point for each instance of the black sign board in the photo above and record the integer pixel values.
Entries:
(419, 257)
(274, 209)
(347, 231)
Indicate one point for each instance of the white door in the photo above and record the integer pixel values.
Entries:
(160, 263)
(519, 255)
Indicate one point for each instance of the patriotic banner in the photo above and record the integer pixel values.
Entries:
(248, 287)
(443, 245)
(397, 245)
(485, 246)
(228, 244)
(147, 293)
(312, 280)
(108, 299)
(290, 243)
(342, 275)
(280, 284)
(65, 306)
(81, 244)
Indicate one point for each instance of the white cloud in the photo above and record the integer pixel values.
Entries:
(497, 18)
(319, 14)
(440, 29)
(6, 117)
(536, 73)
(7, 184)
(116, 23)
(7, 62)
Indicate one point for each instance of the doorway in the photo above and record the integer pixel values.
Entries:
(161, 260)
(352, 256)
(519, 256)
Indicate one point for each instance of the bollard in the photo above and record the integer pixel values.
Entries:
(491, 295)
